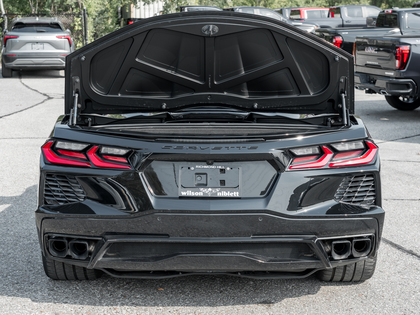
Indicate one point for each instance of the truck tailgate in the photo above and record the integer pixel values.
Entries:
(374, 54)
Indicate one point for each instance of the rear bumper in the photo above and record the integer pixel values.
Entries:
(385, 85)
(179, 243)
(17, 63)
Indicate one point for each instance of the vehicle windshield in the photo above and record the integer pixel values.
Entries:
(36, 27)
(413, 20)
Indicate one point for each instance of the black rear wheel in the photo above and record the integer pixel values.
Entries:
(61, 271)
(360, 271)
(5, 72)
(403, 102)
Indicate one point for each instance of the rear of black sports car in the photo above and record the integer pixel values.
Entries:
(209, 143)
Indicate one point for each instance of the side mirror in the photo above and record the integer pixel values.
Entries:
(371, 21)
(5, 31)
(68, 31)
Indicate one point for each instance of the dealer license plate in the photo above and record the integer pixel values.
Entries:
(217, 180)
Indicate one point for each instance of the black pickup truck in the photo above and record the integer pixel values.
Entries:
(388, 22)
(389, 65)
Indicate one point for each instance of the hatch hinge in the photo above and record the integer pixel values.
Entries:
(343, 92)
(74, 113)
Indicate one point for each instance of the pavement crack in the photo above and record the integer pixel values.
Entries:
(22, 110)
(48, 97)
(32, 89)
(400, 248)
(382, 160)
(398, 139)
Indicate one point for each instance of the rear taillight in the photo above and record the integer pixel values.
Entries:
(65, 37)
(401, 57)
(85, 155)
(6, 37)
(343, 154)
(337, 41)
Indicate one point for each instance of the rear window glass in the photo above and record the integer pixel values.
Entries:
(295, 14)
(36, 27)
(335, 13)
(413, 20)
(355, 12)
(316, 14)
(387, 20)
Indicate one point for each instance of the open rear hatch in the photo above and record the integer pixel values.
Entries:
(171, 63)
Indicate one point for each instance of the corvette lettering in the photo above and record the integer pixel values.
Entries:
(200, 148)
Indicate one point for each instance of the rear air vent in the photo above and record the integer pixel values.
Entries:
(62, 189)
(357, 190)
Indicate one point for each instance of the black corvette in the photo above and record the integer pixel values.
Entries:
(209, 143)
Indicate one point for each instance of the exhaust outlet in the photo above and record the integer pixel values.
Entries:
(361, 247)
(58, 247)
(78, 249)
(340, 249)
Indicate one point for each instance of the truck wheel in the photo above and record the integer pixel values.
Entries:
(5, 72)
(403, 102)
(61, 271)
(359, 271)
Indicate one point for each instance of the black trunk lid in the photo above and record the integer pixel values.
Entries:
(211, 59)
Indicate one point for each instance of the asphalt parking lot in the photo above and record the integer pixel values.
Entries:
(30, 104)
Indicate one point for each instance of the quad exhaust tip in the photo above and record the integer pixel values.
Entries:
(340, 249)
(61, 247)
(78, 249)
(361, 247)
(58, 247)
(358, 247)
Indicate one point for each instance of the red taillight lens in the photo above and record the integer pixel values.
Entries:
(6, 37)
(366, 158)
(401, 57)
(77, 155)
(337, 41)
(53, 158)
(343, 154)
(97, 161)
(85, 155)
(318, 163)
(65, 37)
